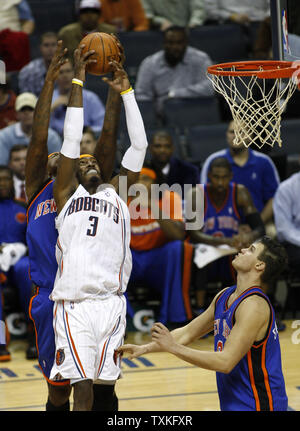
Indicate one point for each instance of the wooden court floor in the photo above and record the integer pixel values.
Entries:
(155, 382)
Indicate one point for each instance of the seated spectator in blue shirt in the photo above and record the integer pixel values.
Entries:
(94, 109)
(173, 169)
(178, 70)
(20, 132)
(255, 170)
(14, 264)
(31, 77)
(287, 218)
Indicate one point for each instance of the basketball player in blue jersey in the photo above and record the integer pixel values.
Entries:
(247, 356)
(41, 231)
(227, 206)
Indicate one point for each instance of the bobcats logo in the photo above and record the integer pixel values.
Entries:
(60, 356)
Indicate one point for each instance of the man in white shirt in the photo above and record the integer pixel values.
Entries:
(178, 70)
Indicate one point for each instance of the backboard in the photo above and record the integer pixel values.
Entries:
(285, 21)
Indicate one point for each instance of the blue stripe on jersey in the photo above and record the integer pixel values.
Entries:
(41, 237)
(256, 382)
(124, 244)
(73, 353)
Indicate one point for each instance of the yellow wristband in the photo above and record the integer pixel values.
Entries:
(77, 81)
(126, 91)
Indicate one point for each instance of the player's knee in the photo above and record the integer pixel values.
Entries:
(59, 395)
(83, 395)
(105, 398)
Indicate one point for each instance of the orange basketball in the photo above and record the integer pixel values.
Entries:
(106, 49)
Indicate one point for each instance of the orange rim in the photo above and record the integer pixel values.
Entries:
(267, 69)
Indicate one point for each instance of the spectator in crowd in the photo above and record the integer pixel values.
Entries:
(173, 169)
(16, 15)
(7, 106)
(88, 141)
(184, 13)
(20, 132)
(17, 161)
(255, 170)
(124, 15)
(226, 206)
(14, 263)
(16, 24)
(287, 218)
(235, 11)
(93, 107)
(158, 248)
(88, 22)
(178, 70)
(32, 76)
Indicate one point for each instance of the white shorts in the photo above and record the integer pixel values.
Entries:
(87, 333)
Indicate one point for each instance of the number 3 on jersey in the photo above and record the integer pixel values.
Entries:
(93, 226)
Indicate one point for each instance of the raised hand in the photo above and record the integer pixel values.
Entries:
(121, 49)
(81, 60)
(120, 81)
(162, 337)
(58, 60)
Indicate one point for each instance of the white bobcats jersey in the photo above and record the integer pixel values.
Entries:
(92, 250)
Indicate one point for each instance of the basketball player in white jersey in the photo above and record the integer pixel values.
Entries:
(93, 251)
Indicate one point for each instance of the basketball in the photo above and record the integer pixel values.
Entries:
(106, 49)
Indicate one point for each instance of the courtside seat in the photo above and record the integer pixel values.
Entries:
(201, 141)
(148, 113)
(124, 141)
(189, 112)
(222, 43)
(52, 15)
(139, 45)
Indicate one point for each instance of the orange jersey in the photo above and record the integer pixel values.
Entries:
(146, 232)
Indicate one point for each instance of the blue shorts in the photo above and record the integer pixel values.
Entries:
(41, 313)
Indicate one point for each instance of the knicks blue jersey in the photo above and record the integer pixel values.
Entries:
(223, 221)
(256, 382)
(13, 221)
(42, 237)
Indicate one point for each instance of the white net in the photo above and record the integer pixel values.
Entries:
(256, 106)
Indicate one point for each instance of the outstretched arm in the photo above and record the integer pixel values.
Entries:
(183, 336)
(133, 159)
(105, 152)
(66, 183)
(37, 154)
(251, 320)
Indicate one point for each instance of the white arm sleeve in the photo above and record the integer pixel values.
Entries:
(134, 157)
(73, 127)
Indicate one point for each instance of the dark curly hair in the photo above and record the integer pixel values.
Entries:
(275, 257)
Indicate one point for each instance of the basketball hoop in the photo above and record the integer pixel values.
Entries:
(257, 93)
